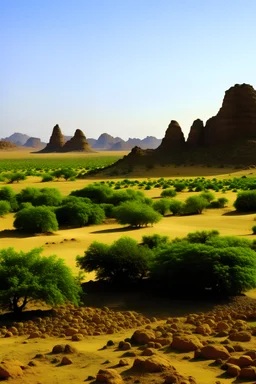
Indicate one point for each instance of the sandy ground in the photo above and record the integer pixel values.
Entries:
(69, 243)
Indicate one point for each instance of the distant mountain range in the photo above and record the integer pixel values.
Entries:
(104, 142)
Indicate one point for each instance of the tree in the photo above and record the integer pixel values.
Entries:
(213, 267)
(169, 192)
(36, 220)
(155, 241)
(246, 201)
(15, 177)
(176, 206)
(77, 213)
(98, 193)
(195, 205)
(7, 194)
(27, 276)
(162, 206)
(40, 196)
(123, 260)
(5, 207)
(136, 214)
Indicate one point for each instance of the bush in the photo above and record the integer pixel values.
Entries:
(124, 260)
(246, 201)
(162, 206)
(254, 229)
(5, 207)
(29, 276)
(176, 207)
(77, 213)
(199, 269)
(108, 209)
(47, 177)
(209, 196)
(180, 186)
(195, 205)
(98, 193)
(169, 192)
(36, 220)
(136, 214)
(44, 196)
(219, 203)
(154, 241)
(201, 236)
(7, 194)
(15, 177)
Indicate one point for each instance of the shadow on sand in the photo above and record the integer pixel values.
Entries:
(115, 230)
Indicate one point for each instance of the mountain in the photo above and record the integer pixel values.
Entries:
(34, 142)
(227, 138)
(108, 142)
(17, 138)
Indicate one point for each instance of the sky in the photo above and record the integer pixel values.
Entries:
(125, 67)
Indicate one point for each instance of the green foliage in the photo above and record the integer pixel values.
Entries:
(15, 177)
(217, 265)
(246, 201)
(136, 214)
(36, 220)
(5, 207)
(78, 213)
(47, 177)
(221, 202)
(209, 196)
(201, 236)
(155, 241)
(169, 192)
(40, 196)
(108, 209)
(176, 207)
(7, 194)
(195, 205)
(180, 186)
(26, 276)
(162, 206)
(97, 192)
(123, 260)
(66, 173)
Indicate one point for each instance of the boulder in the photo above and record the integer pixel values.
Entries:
(186, 343)
(248, 373)
(144, 336)
(59, 348)
(203, 329)
(214, 352)
(233, 370)
(109, 376)
(66, 361)
(240, 336)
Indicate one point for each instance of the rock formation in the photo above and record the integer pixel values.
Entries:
(7, 145)
(56, 141)
(174, 138)
(77, 143)
(196, 134)
(33, 142)
(236, 119)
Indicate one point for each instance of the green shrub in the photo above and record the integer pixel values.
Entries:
(169, 192)
(195, 205)
(201, 236)
(15, 177)
(197, 269)
(221, 202)
(77, 213)
(5, 207)
(123, 260)
(108, 209)
(246, 201)
(176, 206)
(47, 177)
(36, 220)
(180, 186)
(154, 241)
(44, 196)
(136, 214)
(209, 196)
(29, 276)
(7, 194)
(97, 192)
(162, 206)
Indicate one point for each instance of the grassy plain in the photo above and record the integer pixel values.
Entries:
(72, 242)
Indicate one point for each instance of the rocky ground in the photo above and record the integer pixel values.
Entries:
(212, 347)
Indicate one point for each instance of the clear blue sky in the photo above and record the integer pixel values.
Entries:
(126, 67)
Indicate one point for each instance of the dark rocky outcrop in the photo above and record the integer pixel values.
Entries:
(236, 119)
(56, 141)
(77, 143)
(174, 138)
(7, 145)
(196, 134)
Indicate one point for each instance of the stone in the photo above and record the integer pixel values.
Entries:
(213, 352)
(233, 370)
(69, 349)
(77, 337)
(156, 364)
(142, 337)
(186, 343)
(66, 361)
(203, 329)
(123, 362)
(248, 373)
(59, 348)
(240, 336)
(148, 352)
(71, 331)
(56, 141)
(109, 376)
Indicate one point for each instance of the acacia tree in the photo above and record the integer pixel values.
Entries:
(30, 276)
(36, 220)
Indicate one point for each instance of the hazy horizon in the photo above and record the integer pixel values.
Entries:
(126, 68)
